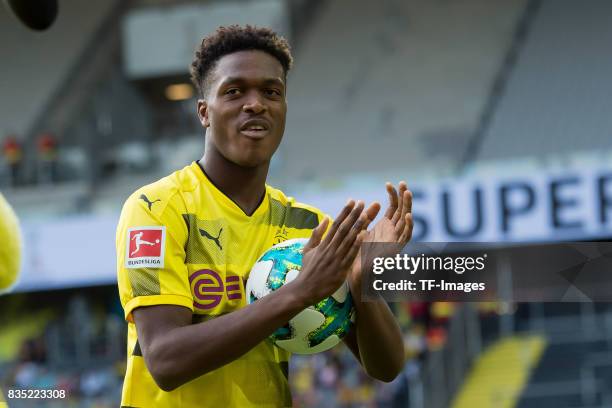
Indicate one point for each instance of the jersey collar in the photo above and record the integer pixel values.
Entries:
(203, 177)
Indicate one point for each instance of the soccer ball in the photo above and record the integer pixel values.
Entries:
(317, 328)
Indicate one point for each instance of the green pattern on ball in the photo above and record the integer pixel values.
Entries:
(337, 319)
(337, 314)
(283, 259)
(282, 333)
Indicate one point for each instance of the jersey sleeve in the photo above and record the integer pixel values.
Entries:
(150, 241)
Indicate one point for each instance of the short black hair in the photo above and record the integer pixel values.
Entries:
(234, 38)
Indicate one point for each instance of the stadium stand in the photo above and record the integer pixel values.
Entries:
(451, 65)
(552, 94)
(84, 97)
(59, 48)
(575, 369)
(347, 84)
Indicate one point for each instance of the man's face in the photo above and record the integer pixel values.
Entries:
(245, 108)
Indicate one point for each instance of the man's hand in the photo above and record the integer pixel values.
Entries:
(382, 355)
(395, 227)
(327, 262)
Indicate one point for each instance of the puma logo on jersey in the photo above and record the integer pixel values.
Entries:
(149, 202)
(215, 239)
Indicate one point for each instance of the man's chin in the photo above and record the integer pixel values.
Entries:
(251, 162)
(248, 158)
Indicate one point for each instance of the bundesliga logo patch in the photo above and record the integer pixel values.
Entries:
(145, 247)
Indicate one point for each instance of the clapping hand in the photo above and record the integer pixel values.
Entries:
(395, 227)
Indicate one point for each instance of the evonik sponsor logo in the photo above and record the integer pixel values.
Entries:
(208, 288)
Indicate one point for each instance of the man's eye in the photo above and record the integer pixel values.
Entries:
(272, 92)
(232, 91)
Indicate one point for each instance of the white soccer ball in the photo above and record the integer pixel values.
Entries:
(318, 327)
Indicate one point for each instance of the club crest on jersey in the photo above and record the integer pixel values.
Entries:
(145, 247)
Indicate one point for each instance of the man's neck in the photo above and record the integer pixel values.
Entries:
(245, 186)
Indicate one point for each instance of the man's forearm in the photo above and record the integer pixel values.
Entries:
(379, 338)
(184, 353)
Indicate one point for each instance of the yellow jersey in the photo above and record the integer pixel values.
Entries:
(181, 241)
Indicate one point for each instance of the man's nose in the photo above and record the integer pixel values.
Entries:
(254, 104)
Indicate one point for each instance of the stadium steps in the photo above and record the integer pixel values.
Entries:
(571, 374)
(402, 84)
(500, 373)
(549, 79)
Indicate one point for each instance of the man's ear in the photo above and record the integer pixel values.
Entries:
(203, 113)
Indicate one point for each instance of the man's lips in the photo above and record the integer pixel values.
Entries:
(254, 134)
(255, 128)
